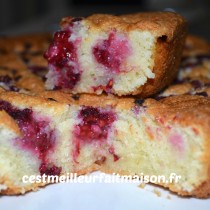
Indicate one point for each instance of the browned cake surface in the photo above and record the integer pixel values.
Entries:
(160, 23)
(196, 45)
(21, 58)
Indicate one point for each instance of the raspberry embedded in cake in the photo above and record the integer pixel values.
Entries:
(177, 142)
(37, 136)
(93, 128)
(95, 124)
(112, 152)
(63, 60)
(49, 169)
(106, 88)
(7, 83)
(112, 52)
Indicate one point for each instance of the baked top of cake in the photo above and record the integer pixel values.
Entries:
(196, 46)
(159, 23)
(30, 43)
(22, 66)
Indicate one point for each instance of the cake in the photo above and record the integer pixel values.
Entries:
(195, 45)
(54, 133)
(22, 66)
(136, 54)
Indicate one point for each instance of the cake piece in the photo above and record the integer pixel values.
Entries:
(136, 54)
(22, 66)
(196, 46)
(195, 60)
(15, 75)
(195, 86)
(193, 66)
(194, 73)
(27, 43)
(56, 133)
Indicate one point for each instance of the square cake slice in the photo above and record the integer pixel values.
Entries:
(135, 54)
(57, 133)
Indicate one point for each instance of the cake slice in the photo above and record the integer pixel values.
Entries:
(194, 73)
(196, 45)
(27, 43)
(195, 61)
(136, 54)
(22, 66)
(56, 133)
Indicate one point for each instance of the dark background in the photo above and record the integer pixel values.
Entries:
(26, 16)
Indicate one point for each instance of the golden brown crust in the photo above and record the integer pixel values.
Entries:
(22, 60)
(30, 82)
(32, 43)
(16, 190)
(186, 106)
(199, 71)
(196, 59)
(7, 122)
(182, 109)
(167, 60)
(193, 86)
(196, 46)
(158, 23)
(203, 191)
(11, 61)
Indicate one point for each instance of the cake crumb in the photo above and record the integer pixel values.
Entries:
(142, 185)
(168, 197)
(158, 193)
